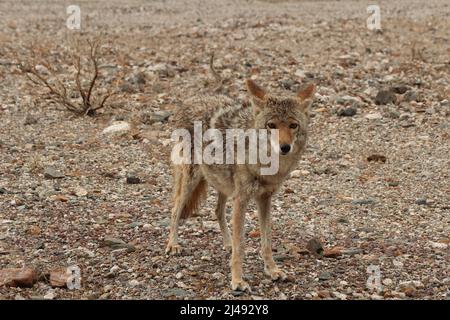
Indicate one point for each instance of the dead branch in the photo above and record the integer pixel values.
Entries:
(58, 91)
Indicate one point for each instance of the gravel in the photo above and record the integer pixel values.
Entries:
(158, 52)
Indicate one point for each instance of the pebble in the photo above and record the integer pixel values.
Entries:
(384, 97)
(116, 127)
(347, 112)
(52, 173)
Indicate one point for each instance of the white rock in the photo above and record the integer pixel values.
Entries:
(147, 227)
(439, 245)
(339, 295)
(50, 295)
(117, 126)
(373, 116)
(179, 275)
(80, 192)
(134, 283)
(298, 173)
(387, 282)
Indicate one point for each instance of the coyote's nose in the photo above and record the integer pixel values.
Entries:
(285, 148)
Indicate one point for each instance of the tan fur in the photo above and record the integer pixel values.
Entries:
(243, 182)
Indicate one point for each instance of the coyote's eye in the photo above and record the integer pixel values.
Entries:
(271, 125)
(293, 126)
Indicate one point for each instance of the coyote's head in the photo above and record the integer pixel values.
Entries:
(289, 115)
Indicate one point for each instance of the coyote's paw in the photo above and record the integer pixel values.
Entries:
(240, 285)
(173, 249)
(276, 274)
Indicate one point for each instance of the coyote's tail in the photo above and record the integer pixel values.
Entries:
(190, 189)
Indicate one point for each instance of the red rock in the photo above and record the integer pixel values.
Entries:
(18, 277)
(58, 277)
(333, 252)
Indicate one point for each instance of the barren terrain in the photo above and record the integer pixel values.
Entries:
(373, 184)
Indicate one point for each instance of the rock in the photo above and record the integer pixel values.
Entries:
(52, 173)
(338, 295)
(347, 112)
(160, 116)
(177, 292)
(373, 116)
(333, 252)
(18, 277)
(324, 276)
(411, 95)
(58, 277)
(376, 158)
(134, 283)
(116, 127)
(315, 246)
(399, 89)
(179, 275)
(30, 119)
(80, 192)
(116, 244)
(133, 180)
(324, 294)
(421, 202)
(363, 201)
(139, 78)
(50, 295)
(438, 245)
(298, 173)
(384, 97)
(388, 282)
(147, 227)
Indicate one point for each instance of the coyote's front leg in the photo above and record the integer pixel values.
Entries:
(263, 203)
(238, 244)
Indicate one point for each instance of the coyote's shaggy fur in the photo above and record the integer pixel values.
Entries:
(241, 182)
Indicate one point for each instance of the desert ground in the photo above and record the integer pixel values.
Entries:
(372, 190)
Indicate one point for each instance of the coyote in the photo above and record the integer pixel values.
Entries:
(241, 182)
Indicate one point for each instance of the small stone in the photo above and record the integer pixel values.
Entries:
(363, 201)
(18, 277)
(133, 180)
(399, 89)
(333, 252)
(422, 202)
(52, 173)
(439, 245)
(58, 277)
(387, 282)
(134, 283)
(324, 294)
(80, 192)
(376, 158)
(117, 126)
(374, 116)
(147, 227)
(324, 276)
(179, 275)
(347, 112)
(411, 95)
(116, 244)
(384, 97)
(338, 295)
(50, 295)
(315, 246)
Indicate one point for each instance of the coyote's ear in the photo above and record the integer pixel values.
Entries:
(306, 95)
(306, 92)
(257, 94)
